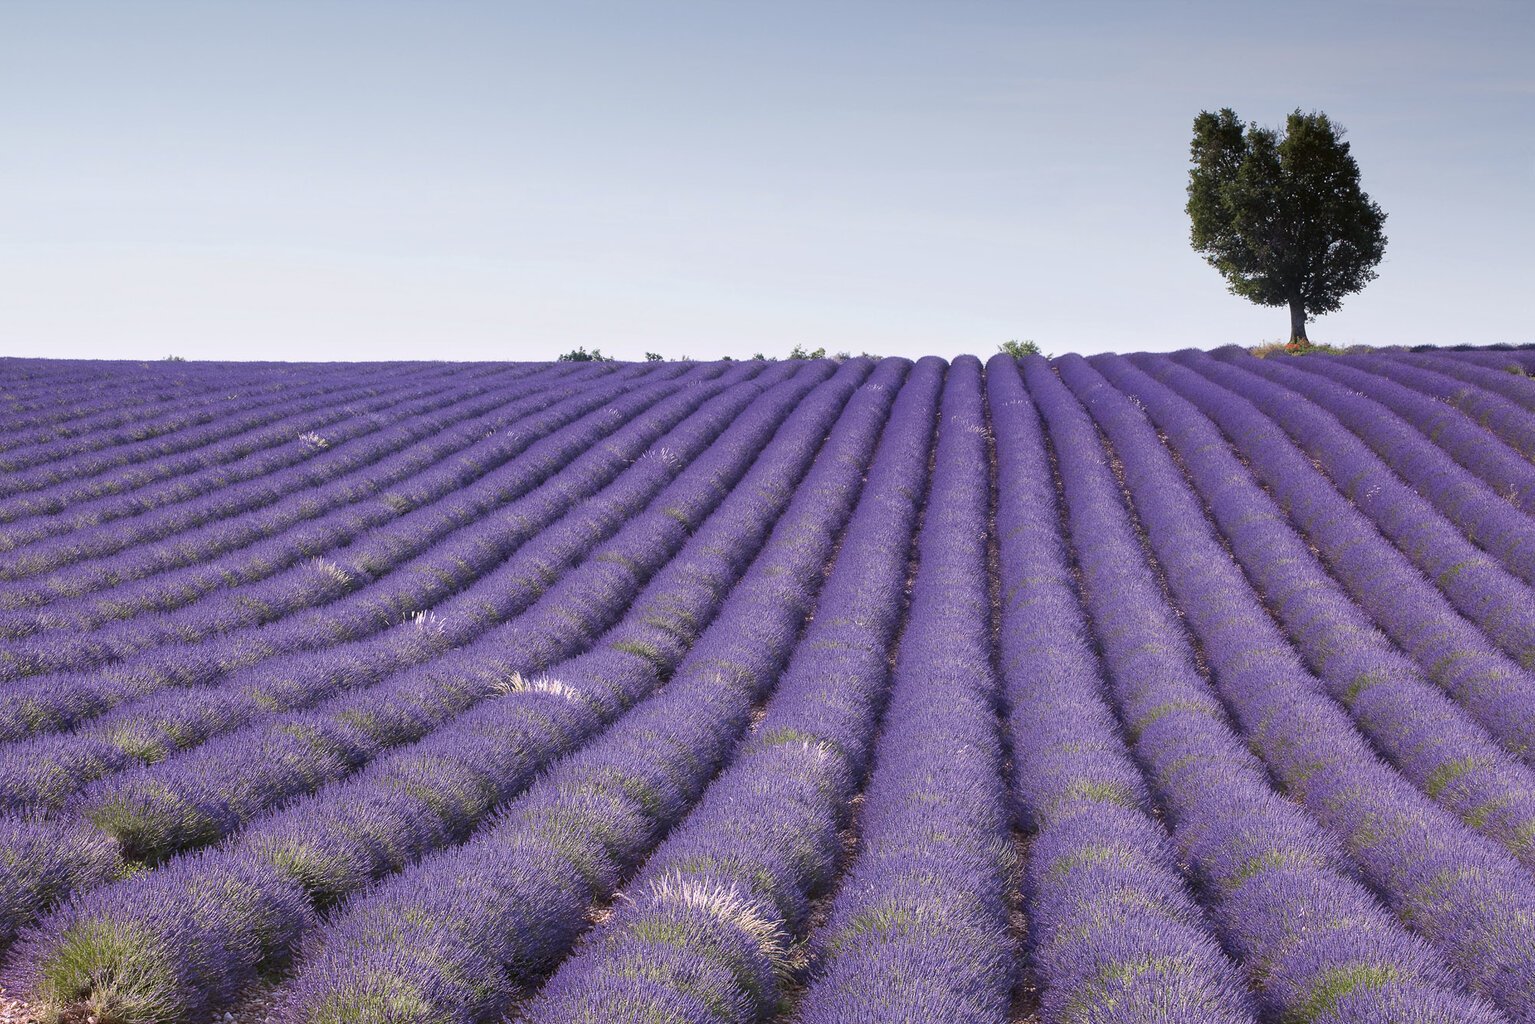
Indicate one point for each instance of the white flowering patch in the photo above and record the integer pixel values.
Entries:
(541, 684)
(727, 904)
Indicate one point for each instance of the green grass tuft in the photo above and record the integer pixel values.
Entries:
(108, 973)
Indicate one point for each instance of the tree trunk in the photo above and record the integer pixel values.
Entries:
(1298, 320)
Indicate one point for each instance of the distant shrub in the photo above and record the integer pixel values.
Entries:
(174, 359)
(798, 352)
(654, 357)
(1018, 349)
(1303, 347)
(581, 355)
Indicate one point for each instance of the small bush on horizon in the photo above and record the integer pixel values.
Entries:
(1303, 347)
(581, 355)
(1018, 349)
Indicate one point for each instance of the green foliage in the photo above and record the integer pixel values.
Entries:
(581, 355)
(1329, 988)
(1448, 772)
(1268, 348)
(653, 357)
(1305, 347)
(102, 970)
(798, 352)
(1282, 218)
(174, 359)
(1018, 349)
(152, 824)
(1302, 346)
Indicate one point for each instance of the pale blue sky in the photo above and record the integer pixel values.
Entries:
(363, 179)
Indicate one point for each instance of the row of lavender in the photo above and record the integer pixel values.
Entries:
(1209, 701)
(394, 687)
(397, 791)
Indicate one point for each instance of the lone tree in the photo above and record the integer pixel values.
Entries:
(1283, 219)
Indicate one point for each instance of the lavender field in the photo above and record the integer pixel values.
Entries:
(1179, 688)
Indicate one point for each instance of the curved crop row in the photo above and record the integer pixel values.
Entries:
(54, 486)
(93, 433)
(232, 553)
(70, 401)
(705, 930)
(152, 542)
(356, 609)
(43, 407)
(1482, 591)
(1102, 882)
(1504, 419)
(159, 820)
(1405, 604)
(1430, 739)
(374, 569)
(1122, 690)
(174, 717)
(1435, 873)
(205, 793)
(563, 845)
(1486, 518)
(1258, 856)
(315, 464)
(255, 895)
(1502, 468)
(1515, 387)
(45, 462)
(918, 928)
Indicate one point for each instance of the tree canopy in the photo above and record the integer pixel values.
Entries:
(1283, 218)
